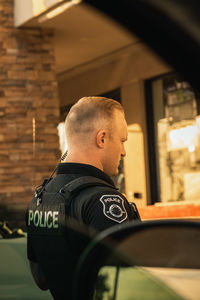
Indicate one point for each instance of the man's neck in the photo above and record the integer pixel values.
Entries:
(82, 158)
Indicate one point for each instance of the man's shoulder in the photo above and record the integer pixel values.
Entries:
(107, 201)
(110, 203)
(88, 185)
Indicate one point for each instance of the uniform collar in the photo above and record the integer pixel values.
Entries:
(83, 170)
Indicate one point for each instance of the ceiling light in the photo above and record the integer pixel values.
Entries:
(58, 10)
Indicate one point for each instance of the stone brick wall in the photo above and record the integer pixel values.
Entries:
(29, 113)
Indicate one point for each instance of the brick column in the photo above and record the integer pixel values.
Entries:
(29, 113)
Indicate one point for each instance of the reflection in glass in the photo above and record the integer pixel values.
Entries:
(132, 283)
(179, 158)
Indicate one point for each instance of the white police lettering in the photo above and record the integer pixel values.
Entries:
(113, 208)
(46, 219)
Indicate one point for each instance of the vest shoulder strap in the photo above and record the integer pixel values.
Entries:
(83, 182)
(73, 187)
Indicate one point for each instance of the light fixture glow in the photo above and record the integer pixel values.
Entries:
(58, 10)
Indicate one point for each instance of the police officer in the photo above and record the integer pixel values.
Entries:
(96, 132)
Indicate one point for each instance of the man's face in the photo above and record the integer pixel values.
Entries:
(115, 146)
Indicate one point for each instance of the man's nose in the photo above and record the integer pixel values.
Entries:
(123, 153)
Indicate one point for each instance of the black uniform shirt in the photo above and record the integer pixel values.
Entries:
(107, 207)
(57, 255)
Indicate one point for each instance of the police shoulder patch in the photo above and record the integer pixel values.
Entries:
(113, 207)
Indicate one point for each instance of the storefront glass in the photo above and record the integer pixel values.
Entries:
(177, 139)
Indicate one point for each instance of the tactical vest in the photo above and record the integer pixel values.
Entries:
(51, 213)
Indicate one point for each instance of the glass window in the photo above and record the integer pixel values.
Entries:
(176, 130)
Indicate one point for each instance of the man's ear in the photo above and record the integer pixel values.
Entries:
(101, 138)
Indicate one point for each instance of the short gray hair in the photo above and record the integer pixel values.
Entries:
(83, 114)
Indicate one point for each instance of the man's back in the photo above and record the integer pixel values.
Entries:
(57, 251)
(96, 131)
